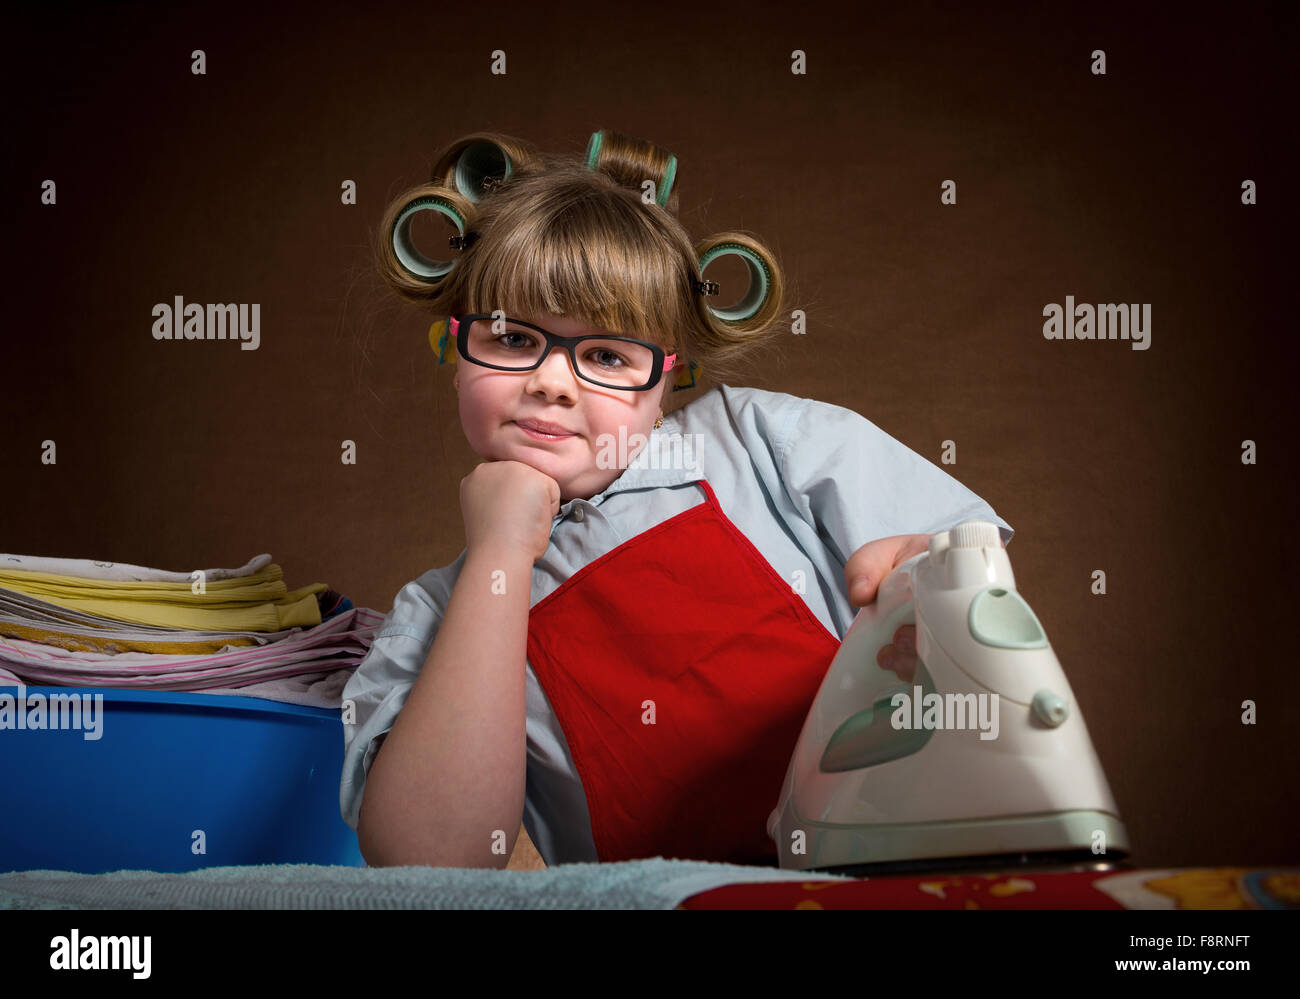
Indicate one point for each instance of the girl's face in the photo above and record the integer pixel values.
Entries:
(494, 403)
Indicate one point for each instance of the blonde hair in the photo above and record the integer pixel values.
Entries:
(555, 236)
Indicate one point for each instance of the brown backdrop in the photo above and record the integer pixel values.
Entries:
(925, 318)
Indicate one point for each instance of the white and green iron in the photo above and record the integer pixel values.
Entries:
(980, 760)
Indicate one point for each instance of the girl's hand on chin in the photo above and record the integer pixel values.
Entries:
(509, 505)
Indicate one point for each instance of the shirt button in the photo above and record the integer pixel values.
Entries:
(577, 513)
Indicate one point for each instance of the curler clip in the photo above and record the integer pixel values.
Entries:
(462, 242)
(706, 287)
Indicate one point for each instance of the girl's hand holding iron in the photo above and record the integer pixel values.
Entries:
(865, 570)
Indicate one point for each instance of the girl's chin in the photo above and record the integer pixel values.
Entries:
(559, 468)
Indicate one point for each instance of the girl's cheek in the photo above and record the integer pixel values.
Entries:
(472, 420)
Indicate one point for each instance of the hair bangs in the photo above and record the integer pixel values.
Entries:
(605, 267)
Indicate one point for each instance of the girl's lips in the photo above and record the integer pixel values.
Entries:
(539, 435)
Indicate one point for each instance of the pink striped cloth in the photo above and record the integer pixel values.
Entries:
(339, 643)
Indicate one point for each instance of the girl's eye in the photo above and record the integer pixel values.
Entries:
(507, 339)
(607, 358)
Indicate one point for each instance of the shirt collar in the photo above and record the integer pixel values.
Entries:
(662, 462)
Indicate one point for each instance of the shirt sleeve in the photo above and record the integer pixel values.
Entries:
(854, 483)
(378, 689)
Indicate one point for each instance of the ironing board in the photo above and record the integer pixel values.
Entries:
(643, 884)
(1181, 888)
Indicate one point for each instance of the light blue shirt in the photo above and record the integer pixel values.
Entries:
(807, 482)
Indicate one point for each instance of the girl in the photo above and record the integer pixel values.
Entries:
(626, 650)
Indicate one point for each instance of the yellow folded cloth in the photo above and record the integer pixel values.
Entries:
(111, 645)
(265, 584)
(258, 602)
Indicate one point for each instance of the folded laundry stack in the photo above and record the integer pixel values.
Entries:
(77, 623)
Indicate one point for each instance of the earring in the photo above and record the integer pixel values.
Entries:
(659, 422)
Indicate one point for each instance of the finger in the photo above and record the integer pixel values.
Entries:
(913, 544)
(905, 638)
(862, 591)
(896, 661)
(865, 569)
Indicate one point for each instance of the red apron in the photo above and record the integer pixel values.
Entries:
(689, 616)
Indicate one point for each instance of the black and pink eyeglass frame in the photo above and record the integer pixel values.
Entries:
(459, 329)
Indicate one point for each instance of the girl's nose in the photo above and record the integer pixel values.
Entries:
(555, 375)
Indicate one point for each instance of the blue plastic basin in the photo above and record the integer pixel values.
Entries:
(176, 782)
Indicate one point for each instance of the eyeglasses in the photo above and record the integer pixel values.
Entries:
(616, 362)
